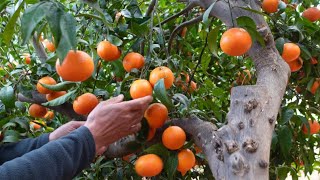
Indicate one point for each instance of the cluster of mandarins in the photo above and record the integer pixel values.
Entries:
(291, 51)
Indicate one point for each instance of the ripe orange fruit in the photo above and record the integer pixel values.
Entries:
(151, 133)
(315, 86)
(295, 65)
(133, 60)
(77, 66)
(108, 51)
(49, 45)
(183, 78)
(49, 115)
(156, 114)
(192, 87)
(54, 95)
(186, 161)
(312, 14)
(313, 61)
(173, 137)
(85, 103)
(290, 52)
(48, 81)
(162, 73)
(235, 42)
(37, 111)
(27, 58)
(35, 126)
(148, 165)
(270, 6)
(314, 127)
(140, 88)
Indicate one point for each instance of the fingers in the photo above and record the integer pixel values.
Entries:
(136, 104)
(115, 100)
(101, 150)
(76, 124)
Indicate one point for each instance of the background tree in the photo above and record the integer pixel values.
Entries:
(250, 118)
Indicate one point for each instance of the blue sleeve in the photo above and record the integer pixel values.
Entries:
(14, 150)
(59, 159)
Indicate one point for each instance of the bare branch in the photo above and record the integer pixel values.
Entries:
(39, 49)
(190, 6)
(180, 27)
(151, 7)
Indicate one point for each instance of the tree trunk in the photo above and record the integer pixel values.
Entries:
(243, 145)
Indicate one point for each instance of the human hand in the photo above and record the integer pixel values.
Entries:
(65, 129)
(114, 119)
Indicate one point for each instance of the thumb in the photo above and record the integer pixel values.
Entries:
(115, 100)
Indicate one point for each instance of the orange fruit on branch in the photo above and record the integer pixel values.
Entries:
(148, 165)
(295, 65)
(315, 86)
(156, 114)
(173, 137)
(85, 103)
(192, 87)
(162, 73)
(108, 51)
(35, 126)
(77, 66)
(186, 161)
(290, 52)
(313, 61)
(270, 6)
(49, 115)
(37, 111)
(235, 42)
(140, 88)
(133, 60)
(54, 95)
(48, 81)
(27, 58)
(151, 133)
(49, 45)
(312, 14)
(314, 127)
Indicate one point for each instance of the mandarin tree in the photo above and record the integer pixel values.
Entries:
(236, 84)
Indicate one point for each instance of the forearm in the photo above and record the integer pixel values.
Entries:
(59, 159)
(14, 150)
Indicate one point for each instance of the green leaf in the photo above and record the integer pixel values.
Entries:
(161, 94)
(60, 100)
(158, 149)
(60, 86)
(115, 40)
(213, 40)
(9, 29)
(248, 24)
(286, 115)
(68, 40)
(4, 4)
(10, 136)
(32, 17)
(171, 164)
(206, 14)
(53, 17)
(245, 21)
(7, 96)
(285, 137)
(279, 44)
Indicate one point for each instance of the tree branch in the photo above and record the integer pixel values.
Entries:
(180, 27)
(65, 109)
(40, 51)
(190, 6)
